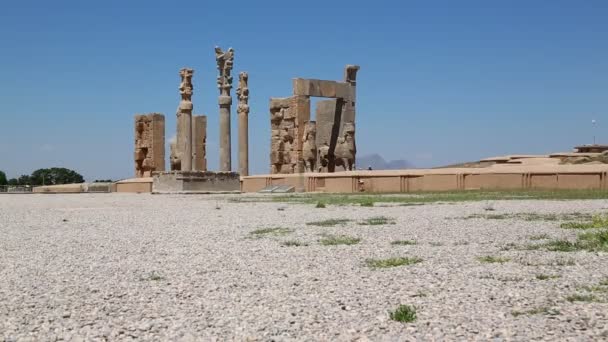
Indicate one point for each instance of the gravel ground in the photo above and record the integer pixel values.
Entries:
(185, 268)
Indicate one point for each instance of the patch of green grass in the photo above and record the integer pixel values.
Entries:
(597, 221)
(539, 237)
(391, 262)
(436, 244)
(320, 205)
(604, 282)
(403, 242)
(404, 313)
(560, 246)
(537, 311)
(293, 243)
(434, 197)
(329, 222)
(595, 288)
(368, 202)
(377, 221)
(492, 259)
(334, 240)
(529, 216)
(546, 276)
(596, 241)
(582, 298)
(270, 232)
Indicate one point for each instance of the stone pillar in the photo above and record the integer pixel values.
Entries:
(225, 61)
(149, 144)
(348, 111)
(243, 112)
(199, 138)
(184, 121)
(300, 106)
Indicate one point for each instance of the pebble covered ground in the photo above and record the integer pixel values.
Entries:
(188, 268)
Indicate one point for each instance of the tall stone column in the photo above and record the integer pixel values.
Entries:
(184, 121)
(225, 60)
(243, 112)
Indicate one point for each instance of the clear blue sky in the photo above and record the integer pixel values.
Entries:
(440, 81)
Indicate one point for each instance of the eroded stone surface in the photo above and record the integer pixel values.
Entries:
(149, 153)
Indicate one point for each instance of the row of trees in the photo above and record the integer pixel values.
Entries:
(52, 176)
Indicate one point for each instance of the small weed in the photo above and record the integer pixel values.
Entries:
(539, 237)
(582, 298)
(510, 278)
(391, 262)
(334, 240)
(557, 262)
(328, 223)
(565, 262)
(604, 282)
(544, 311)
(367, 203)
(493, 259)
(419, 294)
(377, 221)
(436, 244)
(152, 276)
(560, 246)
(403, 242)
(509, 246)
(320, 205)
(404, 313)
(293, 243)
(461, 243)
(546, 276)
(270, 232)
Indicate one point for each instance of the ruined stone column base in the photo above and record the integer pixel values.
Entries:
(196, 182)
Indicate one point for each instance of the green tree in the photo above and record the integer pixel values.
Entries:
(3, 178)
(55, 175)
(13, 181)
(24, 180)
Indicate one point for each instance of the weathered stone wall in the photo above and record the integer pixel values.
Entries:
(199, 138)
(149, 151)
(283, 151)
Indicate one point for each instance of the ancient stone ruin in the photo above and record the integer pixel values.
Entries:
(225, 61)
(183, 148)
(199, 138)
(149, 144)
(243, 112)
(327, 144)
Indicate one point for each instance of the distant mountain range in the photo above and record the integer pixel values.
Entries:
(378, 163)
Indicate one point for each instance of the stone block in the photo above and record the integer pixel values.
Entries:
(195, 182)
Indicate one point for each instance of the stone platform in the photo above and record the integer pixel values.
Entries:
(195, 182)
(498, 177)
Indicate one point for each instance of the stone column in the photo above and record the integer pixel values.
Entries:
(184, 121)
(225, 61)
(243, 112)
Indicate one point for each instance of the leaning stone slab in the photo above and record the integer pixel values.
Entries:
(195, 182)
